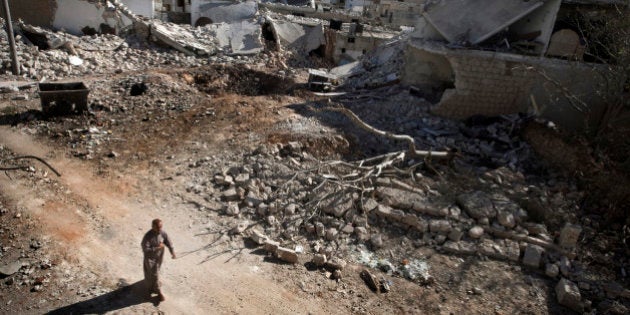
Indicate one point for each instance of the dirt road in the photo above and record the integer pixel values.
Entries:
(98, 222)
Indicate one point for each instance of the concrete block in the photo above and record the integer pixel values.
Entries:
(568, 295)
(336, 263)
(287, 255)
(569, 235)
(533, 256)
(439, 226)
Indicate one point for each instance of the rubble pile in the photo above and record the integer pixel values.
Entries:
(382, 66)
(273, 185)
(102, 54)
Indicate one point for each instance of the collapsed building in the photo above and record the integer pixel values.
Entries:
(487, 57)
(512, 56)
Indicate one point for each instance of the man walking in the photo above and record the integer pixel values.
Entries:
(153, 244)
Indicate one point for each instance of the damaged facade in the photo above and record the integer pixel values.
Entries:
(79, 16)
(517, 56)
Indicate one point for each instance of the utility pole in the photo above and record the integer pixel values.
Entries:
(9, 26)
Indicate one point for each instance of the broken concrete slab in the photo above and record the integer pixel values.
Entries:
(300, 37)
(179, 38)
(471, 22)
(237, 38)
(569, 235)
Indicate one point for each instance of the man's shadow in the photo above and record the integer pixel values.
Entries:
(125, 296)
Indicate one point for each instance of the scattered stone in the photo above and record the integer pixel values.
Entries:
(440, 226)
(532, 256)
(369, 205)
(336, 275)
(475, 232)
(506, 219)
(287, 255)
(348, 229)
(319, 260)
(336, 263)
(290, 209)
(331, 234)
(477, 205)
(565, 266)
(239, 228)
(568, 295)
(362, 233)
(241, 179)
(271, 220)
(370, 280)
(11, 268)
(231, 195)
(569, 235)
(385, 285)
(320, 229)
(376, 240)
(271, 246)
(440, 239)
(232, 209)
(552, 270)
(455, 235)
(258, 237)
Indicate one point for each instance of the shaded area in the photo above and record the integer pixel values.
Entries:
(126, 296)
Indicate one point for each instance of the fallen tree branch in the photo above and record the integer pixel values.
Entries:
(13, 168)
(412, 144)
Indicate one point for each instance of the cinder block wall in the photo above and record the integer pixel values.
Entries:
(492, 83)
(487, 86)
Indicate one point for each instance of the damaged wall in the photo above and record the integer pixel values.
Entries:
(396, 13)
(74, 15)
(490, 83)
(350, 46)
(69, 15)
(219, 11)
(145, 8)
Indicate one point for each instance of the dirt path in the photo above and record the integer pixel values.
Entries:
(99, 223)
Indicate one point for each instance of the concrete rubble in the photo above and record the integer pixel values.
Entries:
(505, 213)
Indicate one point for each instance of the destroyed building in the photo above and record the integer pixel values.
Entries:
(201, 111)
(509, 58)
